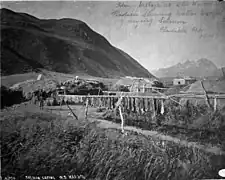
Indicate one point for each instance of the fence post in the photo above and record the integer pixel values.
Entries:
(122, 120)
(118, 104)
(72, 112)
(206, 96)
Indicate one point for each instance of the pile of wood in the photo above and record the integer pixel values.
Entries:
(84, 87)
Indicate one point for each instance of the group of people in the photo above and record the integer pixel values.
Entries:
(39, 97)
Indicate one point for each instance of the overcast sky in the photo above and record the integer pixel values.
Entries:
(202, 32)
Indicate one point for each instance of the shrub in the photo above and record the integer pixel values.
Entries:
(10, 97)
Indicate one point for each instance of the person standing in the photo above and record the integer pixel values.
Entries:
(41, 99)
(34, 97)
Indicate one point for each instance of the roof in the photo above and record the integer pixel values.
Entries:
(179, 79)
(185, 78)
(129, 81)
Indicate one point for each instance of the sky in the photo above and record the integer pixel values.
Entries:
(157, 35)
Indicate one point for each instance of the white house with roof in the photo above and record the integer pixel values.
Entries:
(183, 81)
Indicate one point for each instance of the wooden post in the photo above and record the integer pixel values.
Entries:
(118, 105)
(72, 112)
(206, 96)
(122, 120)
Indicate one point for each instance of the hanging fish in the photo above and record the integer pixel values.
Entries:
(126, 104)
(83, 99)
(95, 102)
(140, 105)
(215, 104)
(143, 105)
(100, 102)
(133, 105)
(74, 99)
(162, 107)
(110, 103)
(130, 103)
(137, 105)
(104, 101)
(153, 108)
(77, 99)
(146, 105)
(107, 102)
(156, 106)
(92, 101)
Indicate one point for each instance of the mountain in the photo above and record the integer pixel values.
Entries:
(60, 45)
(200, 68)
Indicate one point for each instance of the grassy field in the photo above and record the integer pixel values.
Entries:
(191, 123)
(8, 81)
(40, 143)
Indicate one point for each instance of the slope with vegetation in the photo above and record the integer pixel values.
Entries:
(64, 45)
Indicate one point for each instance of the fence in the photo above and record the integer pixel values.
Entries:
(129, 101)
(137, 104)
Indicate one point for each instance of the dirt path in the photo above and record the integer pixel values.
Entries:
(208, 148)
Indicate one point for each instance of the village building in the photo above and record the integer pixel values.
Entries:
(183, 81)
(139, 85)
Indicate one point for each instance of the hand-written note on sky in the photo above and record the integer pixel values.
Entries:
(172, 17)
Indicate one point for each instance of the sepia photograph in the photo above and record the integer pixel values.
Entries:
(112, 90)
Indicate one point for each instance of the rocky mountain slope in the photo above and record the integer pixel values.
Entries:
(199, 68)
(64, 45)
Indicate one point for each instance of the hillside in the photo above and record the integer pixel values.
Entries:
(199, 68)
(64, 45)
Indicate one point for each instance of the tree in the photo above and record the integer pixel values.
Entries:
(223, 71)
